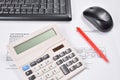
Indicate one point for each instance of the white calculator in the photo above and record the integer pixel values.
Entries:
(45, 55)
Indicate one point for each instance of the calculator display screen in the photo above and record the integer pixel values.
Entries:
(35, 41)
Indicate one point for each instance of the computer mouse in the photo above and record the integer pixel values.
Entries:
(99, 17)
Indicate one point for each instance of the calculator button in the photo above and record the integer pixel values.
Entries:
(55, 71)
(71, 55)
(44, 70)
(48, 75)
(42, 78)
(42, 65)
(68, 50)
(62, 54)
(64, 69)
(52, 66)
(32, 77)
(72, 68)
(65, 58)
(69, 63)
(59, 76)
(59, 62)
(36, 68)
(28, 72)
(56, 57)
(53, 78)
(33, 63)
(78, 64)
(39, 60)
(39, 73)
(26, 67)
(75, 60)
(46, 56)
(48, 61)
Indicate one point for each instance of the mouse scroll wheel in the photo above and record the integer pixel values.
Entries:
(104, 17)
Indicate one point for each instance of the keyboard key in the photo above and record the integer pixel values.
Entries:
(43, 6)
(17, 6)
(33, 63)
(26, 6)
(14, 1)
(10, 5)
(50, 6)
(8, 1)
(5, 11)
(43, 1)
(35, 11)
(33, 1)
(32, 77)
(56, 1)
(1, 11)
(23, 11)
(28, 72)
(12, 11)
(56, 11)
(36, 6)
(26, 67)
(21, 2)
(48, 11)
(50, 1)
(41, 11)
(29, 11)
(17, 11)
(62, 7)
(64, 69)
(1, 1)
(3, 6)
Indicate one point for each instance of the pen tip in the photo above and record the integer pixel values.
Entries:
(77, 28)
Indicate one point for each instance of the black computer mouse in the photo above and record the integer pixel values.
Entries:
(99, 17)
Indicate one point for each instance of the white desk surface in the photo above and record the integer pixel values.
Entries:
(98, 70)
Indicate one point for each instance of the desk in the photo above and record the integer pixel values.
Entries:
(98, 70)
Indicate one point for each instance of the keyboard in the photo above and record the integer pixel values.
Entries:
(56, 10)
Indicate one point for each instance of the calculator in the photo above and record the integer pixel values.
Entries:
(45, 55)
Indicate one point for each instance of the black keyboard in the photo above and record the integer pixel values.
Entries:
(59, 10)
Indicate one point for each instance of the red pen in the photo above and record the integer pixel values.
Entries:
(99, 52)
